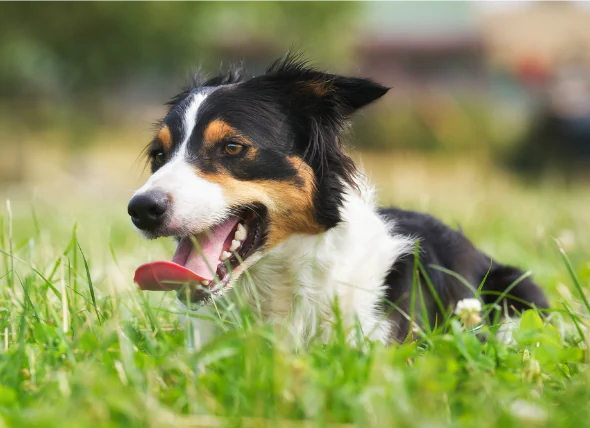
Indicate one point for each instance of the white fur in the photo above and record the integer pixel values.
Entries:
(297, 282)
(190, 119)
(198, 204)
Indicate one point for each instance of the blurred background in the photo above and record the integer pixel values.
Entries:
(486, 96)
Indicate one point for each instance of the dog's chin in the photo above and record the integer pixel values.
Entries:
(154, 234)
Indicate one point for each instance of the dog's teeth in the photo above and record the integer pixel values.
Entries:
(241, 232)
(235, 245)
(225, 255)
(205, 282)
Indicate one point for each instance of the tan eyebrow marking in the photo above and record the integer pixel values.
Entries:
(165, 138)
(219, 130)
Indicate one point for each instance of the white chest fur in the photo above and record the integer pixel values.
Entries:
(298, 282)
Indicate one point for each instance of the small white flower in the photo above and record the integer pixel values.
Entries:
(471, 305)
(469, 311)
(505, 333)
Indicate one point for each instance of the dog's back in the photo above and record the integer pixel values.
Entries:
(443, 251)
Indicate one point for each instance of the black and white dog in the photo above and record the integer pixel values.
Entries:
(249, 174)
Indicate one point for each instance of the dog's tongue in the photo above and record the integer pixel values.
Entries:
(187, 265)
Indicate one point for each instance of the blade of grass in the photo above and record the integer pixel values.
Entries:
(48, 283)
(90, 285)
(413, 293)
(456, 275)
(10, 244)
(66, 251)
(505, 293)
(575, 321)
(575, 279)
(35, 218)
(431, 288)
(483, 281)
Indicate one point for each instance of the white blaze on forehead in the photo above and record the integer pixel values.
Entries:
(197, 204)
(189, 120)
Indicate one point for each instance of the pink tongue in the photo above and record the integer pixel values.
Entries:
(164, 275)
(187, 265)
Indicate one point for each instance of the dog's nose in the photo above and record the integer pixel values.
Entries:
(148, 210)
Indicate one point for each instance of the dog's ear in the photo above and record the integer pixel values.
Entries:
(310, 91)
(317, 91)
(353, 92)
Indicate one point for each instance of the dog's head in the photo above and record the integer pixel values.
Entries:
(239, 165)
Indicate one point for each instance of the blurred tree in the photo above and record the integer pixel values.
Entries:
(47, 48)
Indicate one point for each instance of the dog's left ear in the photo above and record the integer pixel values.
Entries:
(310, 91)
(320, 94)
(354, 93)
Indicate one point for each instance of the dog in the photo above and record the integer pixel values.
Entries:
(251, 178)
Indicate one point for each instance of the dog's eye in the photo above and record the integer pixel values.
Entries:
(233, 148)
(159, 158)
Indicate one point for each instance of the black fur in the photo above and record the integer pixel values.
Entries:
(442, 247)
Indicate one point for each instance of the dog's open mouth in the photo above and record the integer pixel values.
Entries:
(207, 259)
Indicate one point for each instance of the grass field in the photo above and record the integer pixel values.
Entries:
(79, 346)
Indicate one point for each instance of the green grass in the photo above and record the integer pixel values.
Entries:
(79, 346)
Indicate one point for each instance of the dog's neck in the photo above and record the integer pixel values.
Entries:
(298, 282)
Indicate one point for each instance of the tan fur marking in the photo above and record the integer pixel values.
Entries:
(290, 206)
(165, 138)
(319, 88)
(219, 130)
